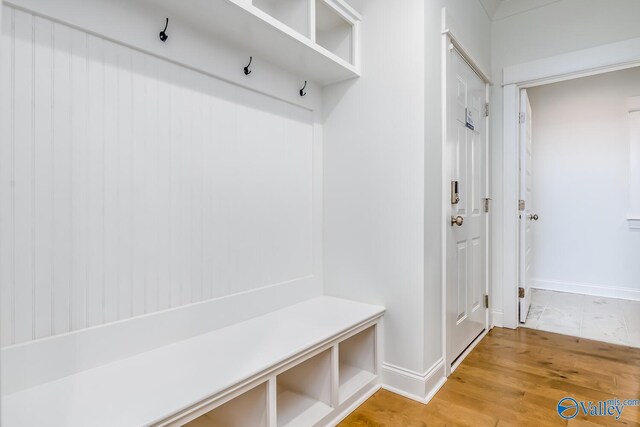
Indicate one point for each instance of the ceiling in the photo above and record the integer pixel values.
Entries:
(500, 9)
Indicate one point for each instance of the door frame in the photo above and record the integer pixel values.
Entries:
(582, 63)
(449, 42)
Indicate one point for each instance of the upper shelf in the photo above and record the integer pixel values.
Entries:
(282, 32)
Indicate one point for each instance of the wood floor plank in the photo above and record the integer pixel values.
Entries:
(516, 378)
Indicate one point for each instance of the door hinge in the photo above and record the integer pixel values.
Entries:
(486, 109)
(486, 301)
(522, 118)
(486, 204)
(520, 292)
(521, 205)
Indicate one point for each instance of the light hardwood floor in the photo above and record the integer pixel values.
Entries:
(516, 378)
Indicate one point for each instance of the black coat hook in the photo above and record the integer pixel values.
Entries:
(302, 92)
(247, 71)
(163, 34)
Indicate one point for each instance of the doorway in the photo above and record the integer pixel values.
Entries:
(580, 258)
(467, 220)
(505, 180)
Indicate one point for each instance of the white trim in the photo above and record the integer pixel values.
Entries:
(414, 385)
(467, 56)
(496, 318)
(443, 199)
(594, 289)
(633, 106)
(574, 64)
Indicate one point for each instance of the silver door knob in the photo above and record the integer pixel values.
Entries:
(457, 220)
(533, 217)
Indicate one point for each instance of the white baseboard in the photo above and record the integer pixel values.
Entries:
(497, 318)
(593, 289)
(414, 385)
(353, 406)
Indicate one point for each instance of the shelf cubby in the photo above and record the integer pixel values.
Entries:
(356, 366)
(304, 392)
(292, 13)
(333, 31)
(248, 409)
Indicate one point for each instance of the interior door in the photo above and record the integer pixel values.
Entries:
(466, 164)
(527, 215)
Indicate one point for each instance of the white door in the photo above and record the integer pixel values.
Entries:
(527, 215)
(466, 164)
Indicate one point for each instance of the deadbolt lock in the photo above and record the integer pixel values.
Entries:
(455, 195)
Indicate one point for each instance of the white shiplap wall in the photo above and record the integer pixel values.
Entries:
(130, 184)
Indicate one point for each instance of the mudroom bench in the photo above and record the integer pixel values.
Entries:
(306, 364)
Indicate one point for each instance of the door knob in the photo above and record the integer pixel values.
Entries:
(534, 217)
(457, 220)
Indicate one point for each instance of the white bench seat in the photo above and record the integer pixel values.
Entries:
(150, 387)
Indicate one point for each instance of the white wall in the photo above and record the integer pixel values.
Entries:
(131, 184)
(582, 243)
(374, 177)
(383, 177)
(557, 28)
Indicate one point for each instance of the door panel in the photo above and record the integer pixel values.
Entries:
(466, 244)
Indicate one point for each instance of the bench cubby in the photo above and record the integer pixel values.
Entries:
(357, 364)
(333, 31)
(304, 391)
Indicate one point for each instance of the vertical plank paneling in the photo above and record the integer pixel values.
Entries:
(6, 180)
(43, 176)
(125, 189)
(24, 214)
(131, 185)
(80, 242)
(138, 169)
(151, 186)
(175, 238)
(162, 184)
(184, 192)
(62, 185)
(207, 195)
(196, 190)
(111, 200)
(95, 183)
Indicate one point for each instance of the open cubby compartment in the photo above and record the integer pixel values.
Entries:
(292, 13)
(247, 409)
(333, 31)
(357, 363)
(304, 392)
